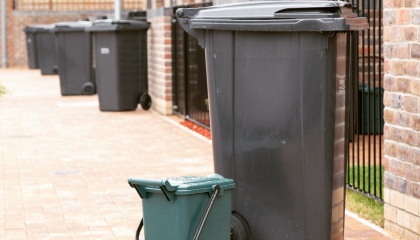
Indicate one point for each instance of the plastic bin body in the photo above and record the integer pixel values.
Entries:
(371, 104)
(74, 52)
(178, 219)
(277, 107)
(279, 118)
(121, 63)
(30, 33)
(46, 50)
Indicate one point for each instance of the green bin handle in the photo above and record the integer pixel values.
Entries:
(140, 184)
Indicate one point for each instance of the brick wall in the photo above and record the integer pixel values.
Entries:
(17, 20)
(402, 116)
(160, 59)
(16, 37)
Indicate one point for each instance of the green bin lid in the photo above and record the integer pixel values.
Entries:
(181, 185)
(111, 25)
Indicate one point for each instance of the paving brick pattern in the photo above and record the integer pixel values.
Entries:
(64, 164)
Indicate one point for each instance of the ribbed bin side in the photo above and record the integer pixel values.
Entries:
(178, 220)
(275, 122)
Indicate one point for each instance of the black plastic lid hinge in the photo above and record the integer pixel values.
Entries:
(168, 195)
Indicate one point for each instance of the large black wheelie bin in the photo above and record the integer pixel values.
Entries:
(30, 32)
(46, 49)
(74, 57)
(276, 75)
(121, 64)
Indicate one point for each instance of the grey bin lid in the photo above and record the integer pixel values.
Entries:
(39, 28)
(72, 26)
(273, 16)
(110, 25)
(181, 185)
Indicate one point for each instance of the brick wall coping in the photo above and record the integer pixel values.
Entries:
(31, 13)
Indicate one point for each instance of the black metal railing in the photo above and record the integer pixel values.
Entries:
(189, 74)
(365, 104)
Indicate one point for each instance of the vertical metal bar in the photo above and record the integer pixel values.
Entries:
(355, 106)
(3, 35)
(374, 97)
(349, 110)
(174, 61)
(367, 186)
(186, 73)
(350, 99)
(380, 97)
(363, 104)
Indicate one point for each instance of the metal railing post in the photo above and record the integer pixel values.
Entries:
(3, 34)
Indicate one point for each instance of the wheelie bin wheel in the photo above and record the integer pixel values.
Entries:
(89, 88)
(239, 229)
(145, 101)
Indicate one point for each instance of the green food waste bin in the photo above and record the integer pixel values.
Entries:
(174, 208)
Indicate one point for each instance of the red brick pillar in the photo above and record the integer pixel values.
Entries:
(160, 59)
(402, 117)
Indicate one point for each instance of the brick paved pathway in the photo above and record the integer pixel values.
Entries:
(64, 164)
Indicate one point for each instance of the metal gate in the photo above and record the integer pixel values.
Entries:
(189, 74)
(365, 104)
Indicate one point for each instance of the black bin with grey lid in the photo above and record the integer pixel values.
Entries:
(276, 75)
(121, 64)
(46, 49)
(74, 57)
(30, 33)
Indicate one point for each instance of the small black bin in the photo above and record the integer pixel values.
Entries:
(121, 64)
(74, 55)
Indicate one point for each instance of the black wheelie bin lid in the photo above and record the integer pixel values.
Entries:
(46, 28)
(287, 16)
(111, 25)
(72, 26)
(39, 28)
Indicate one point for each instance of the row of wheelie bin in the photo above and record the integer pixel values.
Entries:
(104, 56)
(276, 72)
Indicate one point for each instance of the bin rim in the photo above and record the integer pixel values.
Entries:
(185, 185)
(38, 28)
(263, 10)
(274, 16)
(110, 25)
(72, 26)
